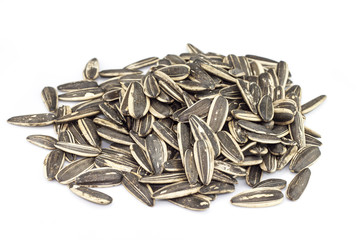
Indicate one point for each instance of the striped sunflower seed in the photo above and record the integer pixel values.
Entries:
(99, 177)
(43, 141)
(298, 184)
(204, 160)
(90, 194)
(68, 173)
(91, 70)
(78, 149)
(304, 158)
(50, 98)
(53, 163)
(141, 191)
(33, 120)
(258, 197)
(176, 190)
(157, 151)
(271, 183)
(191, 202)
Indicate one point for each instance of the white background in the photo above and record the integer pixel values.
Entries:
(43, 43)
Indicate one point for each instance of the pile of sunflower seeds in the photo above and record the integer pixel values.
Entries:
(186, 130)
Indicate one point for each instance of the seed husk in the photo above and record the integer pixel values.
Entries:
(298, 184)
(258, 197)
(218, 113)
(157, 152)
(297, 130)
(78, 149)
(266, 108)
(53, 163)
(110, 124)
(269, 163)
(200, 109)
(166, 134)
(247, 96)
(99, 177)
(143, 63)
(81, 95)
(88, 130)
(91, 195)
(141, 191)
(118, 72)
(286, 158)
(263, 138)
(310, 140)
(50, 98)
(191, 202)
(202, 131)
(91, 70)
(116, 137)
(253, 175)
(159, 109)
(271, 183)
(183, 137)
(151, 86)
(138, 102)
(176, 190)
(204, 160)
(304, 158)
(110, 113)
(164, 178)
(121, 163)
(229, 147)
(230, 168)
(68, 173)
(312, 104)
(43, 141)
(33, 120)
(87, 112)
(177, 72)
(77, 86)
(216, 187)
(245, 115)
(141, 158)
(278, 131)
(190, 167)
(173, 165)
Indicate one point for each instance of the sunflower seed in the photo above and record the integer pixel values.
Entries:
(91, 195)
(109, 124)
(176, 71)
(230, 168)
(298, 184)
(278, 131)
(204, 160)
(310, 140)
(286, 158)
(297, 130)
(50, 98)
(271, 183)
(217, 188)
(312, 104)
(111, 95)
(176, 190)
(200, 109)
(266, 108)
(141, 158)
(142, 63)
(87, 112)
(245, 115)
(166, 134)
(81, 95)
(139, 190)
(190, 167)
(33, 120)
(78, 149)
(151, 86)
(173, 165)
(77, 86)
(218, 113)
(91, 70)
(263, 138)
(159, 109)
(269, 163)
(88, 129)
(282, 71)
(201, 131)
(304, 158)
(229, 147)
(100, 177)
(253, 175)
(157, 152)
(192, 49)
(110, 113)
(277, 149)
(112, 136)
(121, 163)
(223, 177)
(138, 102)
(251, 160)
(53, 163)
(164, 178)
(191, 202)
(43, 141)
(258, 197)
(68, 174)
(118, 72)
